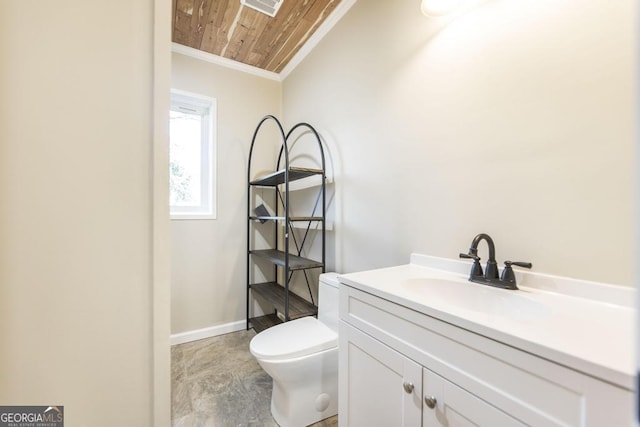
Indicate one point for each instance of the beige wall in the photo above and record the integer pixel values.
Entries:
(516, 119)
(76, 217)
(209, 256)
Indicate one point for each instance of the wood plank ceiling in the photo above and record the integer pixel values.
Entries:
(230, 30)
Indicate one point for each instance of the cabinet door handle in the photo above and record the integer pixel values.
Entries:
(408, 387)
(430, 401)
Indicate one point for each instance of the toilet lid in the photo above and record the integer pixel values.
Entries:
(295, 338)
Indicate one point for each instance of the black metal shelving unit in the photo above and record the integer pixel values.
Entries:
(285, 253)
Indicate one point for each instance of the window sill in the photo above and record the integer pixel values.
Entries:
(191, 216)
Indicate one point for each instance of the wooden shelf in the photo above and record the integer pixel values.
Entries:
(295, 262)
(274, 293)
(261, 323)
(277, 177)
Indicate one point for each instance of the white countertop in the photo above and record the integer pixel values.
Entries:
(586, 326)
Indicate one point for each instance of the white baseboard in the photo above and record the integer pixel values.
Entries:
(209, 332)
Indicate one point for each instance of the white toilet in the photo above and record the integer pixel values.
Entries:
(302, 358)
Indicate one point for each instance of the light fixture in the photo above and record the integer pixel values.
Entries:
(439, 7)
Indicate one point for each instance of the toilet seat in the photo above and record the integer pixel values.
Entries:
(296, 338)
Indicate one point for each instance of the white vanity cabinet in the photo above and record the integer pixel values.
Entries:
(447, 405)
(382, 387)
(395, 362)
(385, 388)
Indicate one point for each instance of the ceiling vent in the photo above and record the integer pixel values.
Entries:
(269, 7)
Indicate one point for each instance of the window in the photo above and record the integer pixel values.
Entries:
(191, 156)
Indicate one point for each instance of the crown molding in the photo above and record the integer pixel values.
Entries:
(313, 41)
(225, 62)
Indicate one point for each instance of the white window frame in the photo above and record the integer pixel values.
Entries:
(207, 107)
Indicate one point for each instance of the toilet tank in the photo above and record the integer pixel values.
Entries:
(328, 300)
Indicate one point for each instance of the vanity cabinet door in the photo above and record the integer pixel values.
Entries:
(447, 405)
(378, 385)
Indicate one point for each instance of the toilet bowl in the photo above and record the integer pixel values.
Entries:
(302, 358)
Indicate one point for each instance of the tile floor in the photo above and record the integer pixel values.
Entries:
(216, 382)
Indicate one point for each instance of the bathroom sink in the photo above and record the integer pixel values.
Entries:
(553, 317)
(465, 295)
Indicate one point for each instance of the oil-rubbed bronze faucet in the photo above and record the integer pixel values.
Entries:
(490, 276)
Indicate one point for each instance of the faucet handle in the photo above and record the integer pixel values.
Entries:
(476, 268)
(507, 273)
(518, 264)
